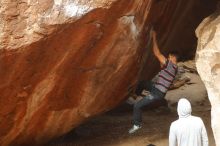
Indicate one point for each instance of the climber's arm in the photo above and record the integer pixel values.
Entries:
(156, 50)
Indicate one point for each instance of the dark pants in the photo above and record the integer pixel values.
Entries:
(154, 95)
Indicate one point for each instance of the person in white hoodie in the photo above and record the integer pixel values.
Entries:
(188, 130)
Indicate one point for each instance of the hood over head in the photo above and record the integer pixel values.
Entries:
(184, 108)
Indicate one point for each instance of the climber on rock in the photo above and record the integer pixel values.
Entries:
(159, 88)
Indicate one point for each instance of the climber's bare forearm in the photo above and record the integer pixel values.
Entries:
(156, 49)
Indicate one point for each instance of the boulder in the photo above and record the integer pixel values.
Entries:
(208, 65)
(62, 62)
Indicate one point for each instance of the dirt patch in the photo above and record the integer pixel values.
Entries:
(111, 129)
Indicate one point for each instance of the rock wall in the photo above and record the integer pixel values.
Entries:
(64, 61)
(208, 65)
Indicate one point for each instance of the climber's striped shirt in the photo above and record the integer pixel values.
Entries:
(166, 76)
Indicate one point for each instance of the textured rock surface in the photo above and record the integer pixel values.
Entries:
(64, 61)
(208, 65)
(26, 21)
(72, 60)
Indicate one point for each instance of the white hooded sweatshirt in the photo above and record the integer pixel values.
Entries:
(188, 130)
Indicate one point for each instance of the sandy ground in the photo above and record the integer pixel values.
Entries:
(111, 129)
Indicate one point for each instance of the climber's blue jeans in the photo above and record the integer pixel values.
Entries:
(154, 95)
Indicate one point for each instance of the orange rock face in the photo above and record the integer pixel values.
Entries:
(62, 62)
